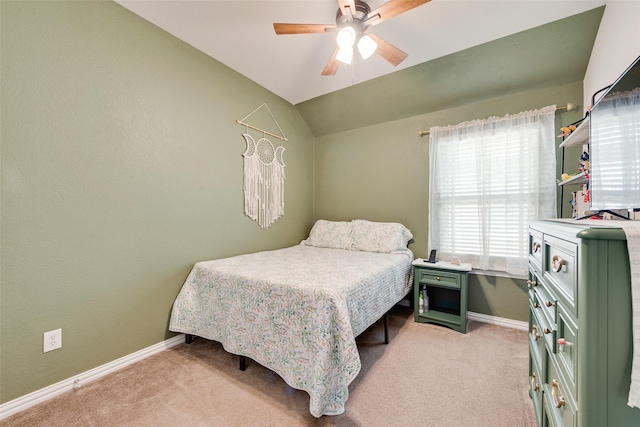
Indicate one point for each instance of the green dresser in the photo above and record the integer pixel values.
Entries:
(580, 322)
(446, 290)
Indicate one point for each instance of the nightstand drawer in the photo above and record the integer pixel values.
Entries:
(439, 278)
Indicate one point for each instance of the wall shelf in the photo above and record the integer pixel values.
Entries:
(578, 179)
(580, 136)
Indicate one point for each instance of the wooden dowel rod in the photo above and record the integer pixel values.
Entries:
(261, 130)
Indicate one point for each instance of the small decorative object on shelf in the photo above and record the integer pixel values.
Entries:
(574, 135)
(566, 130)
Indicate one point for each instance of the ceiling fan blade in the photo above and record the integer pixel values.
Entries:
(388, 51)
(332, 66)
(392, 8)
(301, 28)
(350, 3)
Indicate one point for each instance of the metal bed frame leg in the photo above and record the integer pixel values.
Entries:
(386, 327)
(243, 363)
(188, 338)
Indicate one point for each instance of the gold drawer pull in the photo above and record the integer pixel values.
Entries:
(438, 278)
(535, 333)
(536, 305)
(559, 261)
(558, 400)
(549, 304)
(534, 383)
(547, 330)
(535, 247)
(531, 283)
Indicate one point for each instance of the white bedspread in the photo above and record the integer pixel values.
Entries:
(296, 311)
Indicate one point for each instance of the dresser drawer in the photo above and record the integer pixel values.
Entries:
(533, 282)
(559, 404)
(560, 269)
(537, 339)
(547, 303)
(535, 386)
(566, 355)
(438, 278)
(535, 249)
(544, 327)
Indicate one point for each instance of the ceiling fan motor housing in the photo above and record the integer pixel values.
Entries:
(359, 15)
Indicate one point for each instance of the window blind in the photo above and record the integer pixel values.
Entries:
(488, 180)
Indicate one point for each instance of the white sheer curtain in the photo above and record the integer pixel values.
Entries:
(488, 180)
(615, 157)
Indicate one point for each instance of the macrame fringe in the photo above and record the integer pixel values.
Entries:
(263, 182)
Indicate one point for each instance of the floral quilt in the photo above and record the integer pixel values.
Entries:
(295, 311)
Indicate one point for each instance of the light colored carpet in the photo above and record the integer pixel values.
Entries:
(426, 376)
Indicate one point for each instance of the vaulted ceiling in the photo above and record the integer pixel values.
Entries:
(240, 34)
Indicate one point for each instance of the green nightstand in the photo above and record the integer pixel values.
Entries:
(445, 285)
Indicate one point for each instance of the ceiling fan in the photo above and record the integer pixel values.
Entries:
(353, 19)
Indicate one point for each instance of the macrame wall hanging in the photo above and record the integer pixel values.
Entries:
(263, 175)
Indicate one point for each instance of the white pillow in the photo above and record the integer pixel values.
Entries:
(330, 234)
(380, 236)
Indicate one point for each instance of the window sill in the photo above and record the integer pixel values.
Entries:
(497, 274)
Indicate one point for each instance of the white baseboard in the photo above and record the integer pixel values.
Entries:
(39, 396)
(500, 321)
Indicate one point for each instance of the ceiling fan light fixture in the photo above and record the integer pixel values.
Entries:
(346, 37)
(345, 54)
(367, 46)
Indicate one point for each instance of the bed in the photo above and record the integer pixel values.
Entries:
(298, 310)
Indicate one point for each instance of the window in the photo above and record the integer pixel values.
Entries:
(488, 180)
(615, 151)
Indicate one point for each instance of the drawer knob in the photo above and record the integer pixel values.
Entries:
(534, 382)
(535, 247)
(547, 330)
(535, 333)
(438, 278)
(549, 304)
(536, 305)
(562, 343)
(557, 263)
(558, 400)
(531, 283)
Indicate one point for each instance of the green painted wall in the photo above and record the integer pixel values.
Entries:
(121, 167)
(553, 54)
(381, 173)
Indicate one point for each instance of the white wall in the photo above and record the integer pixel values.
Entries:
(617, 45)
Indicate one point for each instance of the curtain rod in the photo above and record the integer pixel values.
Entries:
(570, 106)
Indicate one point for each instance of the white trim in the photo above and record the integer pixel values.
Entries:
(28, 400)
(500, 321)
(49, 392)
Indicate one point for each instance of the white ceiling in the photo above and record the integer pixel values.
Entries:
(239, 33)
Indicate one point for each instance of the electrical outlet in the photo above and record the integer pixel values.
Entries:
(52, 340)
